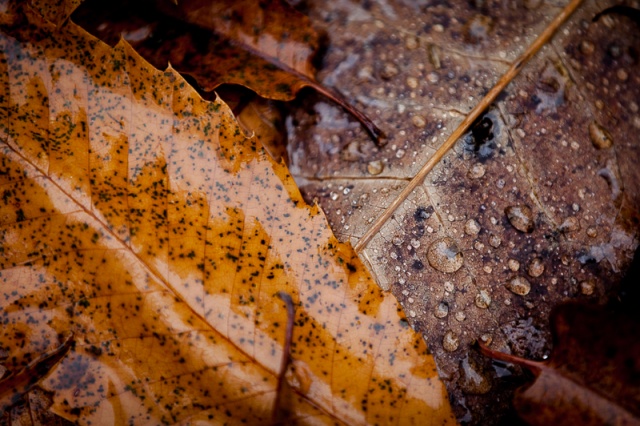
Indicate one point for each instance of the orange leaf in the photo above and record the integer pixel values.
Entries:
(137, 216)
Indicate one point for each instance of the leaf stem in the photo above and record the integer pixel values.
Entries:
(506, 78)
(534, 366)
(373, 130)
(286, 357)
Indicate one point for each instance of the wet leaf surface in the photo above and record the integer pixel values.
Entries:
(138, 218)
(593, 374)
(540, 198)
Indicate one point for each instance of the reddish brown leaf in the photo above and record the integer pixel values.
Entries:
(265, 46)
(593, 375)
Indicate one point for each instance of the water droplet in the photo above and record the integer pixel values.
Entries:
(513, 264)
(389, 70)
(520, 217)
(483, 299)
(442, 310)
(622, 74)
(519, 285)
(587, 47)
(600, 137)
(397, 241)
(476, 171)
(486, 339)
(450, 342)
(433, 77)
(415, 243)
(536, 267)
(445, 256)
(412, 82)
(587, 287)
(411, 42)
(472, 227)
(473, 379)
(571, 224)
(346, 191)
(418, 121)
(333, 196)
(400, 153)
(592, 232)
(375, 167)
(494, 241)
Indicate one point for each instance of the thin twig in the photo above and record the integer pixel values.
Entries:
(508, 76)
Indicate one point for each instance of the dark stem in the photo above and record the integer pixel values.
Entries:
(278, 414)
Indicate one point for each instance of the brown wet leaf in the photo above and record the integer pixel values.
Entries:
(593, 374)
(138, 218)
(531, 199)
(268, 47)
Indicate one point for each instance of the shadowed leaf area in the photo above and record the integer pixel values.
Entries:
(144, 242)
(268, 47)
(593, 374)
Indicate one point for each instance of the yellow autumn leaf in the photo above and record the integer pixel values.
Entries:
(137, 220)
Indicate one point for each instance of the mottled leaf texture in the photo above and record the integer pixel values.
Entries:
(139, 222)
(593, 375)
(536, 204)
(267, 46)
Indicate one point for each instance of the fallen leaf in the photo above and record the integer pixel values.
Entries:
(138, 217)
(456, 252)
(593, 375)
(33, 410)
(266, 46)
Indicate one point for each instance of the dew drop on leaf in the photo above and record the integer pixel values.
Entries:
(442, 310)
(520, 217)
(450, 342)
(600, 137)
(472, 378)
(445, 256)
(476, 171)
(587, 287)
(375, 167)
(483, 299)
(472, 227)
(519, 285)
(536, 267)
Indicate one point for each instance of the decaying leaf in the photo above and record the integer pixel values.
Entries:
(33, 410)
(268, 47)
(593, 375)
(537, 204)
(137, 217)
